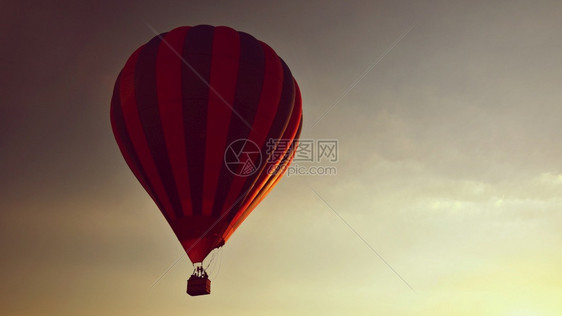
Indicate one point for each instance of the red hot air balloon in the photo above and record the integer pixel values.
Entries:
(199, 114)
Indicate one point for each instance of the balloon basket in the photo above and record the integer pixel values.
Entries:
(197, 287)
(199, 283)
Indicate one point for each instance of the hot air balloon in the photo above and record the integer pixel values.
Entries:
(202, 115)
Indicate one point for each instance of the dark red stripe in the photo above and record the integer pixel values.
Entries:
(263, 192)
(149, 114)
(224, 73)
(248, 90)
(126, 146)
(267, 110)
(137, 134)
(196, 52)
(284, 110)
(168, 85)
(281, 157)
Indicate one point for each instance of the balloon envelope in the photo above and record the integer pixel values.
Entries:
(202, 115)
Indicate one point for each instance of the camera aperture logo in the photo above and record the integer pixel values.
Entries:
(243, 157)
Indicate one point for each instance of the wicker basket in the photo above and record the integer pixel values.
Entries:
(198, 286)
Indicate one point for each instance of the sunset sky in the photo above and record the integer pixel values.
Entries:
(448, 117)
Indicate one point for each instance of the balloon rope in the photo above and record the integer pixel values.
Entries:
(220, 263)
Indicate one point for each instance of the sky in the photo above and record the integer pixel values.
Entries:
(447, 198)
